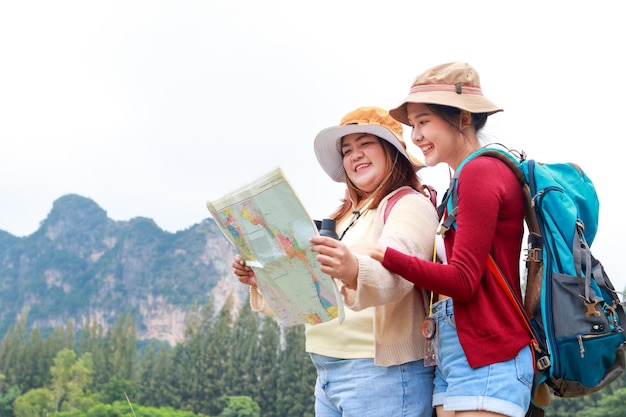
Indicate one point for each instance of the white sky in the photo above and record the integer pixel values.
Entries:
(151, 108)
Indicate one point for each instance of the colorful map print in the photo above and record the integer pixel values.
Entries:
(270, 229)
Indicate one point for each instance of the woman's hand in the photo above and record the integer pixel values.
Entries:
(373, 250)
(244, 273)
(336, 260)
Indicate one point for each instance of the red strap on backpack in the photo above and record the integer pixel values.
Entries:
(543, 361)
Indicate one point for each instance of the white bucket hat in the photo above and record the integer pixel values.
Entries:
(372, 120)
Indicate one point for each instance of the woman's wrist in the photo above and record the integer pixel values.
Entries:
(378, 252)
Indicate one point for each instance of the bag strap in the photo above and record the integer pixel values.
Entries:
(536, 342)
(432, 195)
(394, 199)
(534, 253)
(450, 199)
(506, 286)
(426, 295)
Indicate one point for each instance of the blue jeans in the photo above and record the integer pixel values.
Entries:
(502, 387)
(358, 388)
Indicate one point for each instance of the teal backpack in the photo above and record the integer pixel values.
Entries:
(571, 308)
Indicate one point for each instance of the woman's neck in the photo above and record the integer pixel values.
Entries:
(463, 151)
(363, 204)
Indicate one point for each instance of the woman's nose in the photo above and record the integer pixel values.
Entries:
(356, 155)
(416, 136)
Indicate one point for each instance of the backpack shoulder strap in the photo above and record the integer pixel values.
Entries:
(534, 255)
(394, 199)
(534, 251)
(514, 163)
(539, 348)
(426, 295)
(432, 195)
(515, 166)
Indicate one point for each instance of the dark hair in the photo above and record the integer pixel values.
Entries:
(452, 114)
(402, 174)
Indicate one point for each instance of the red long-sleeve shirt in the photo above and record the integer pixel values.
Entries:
(489, 220)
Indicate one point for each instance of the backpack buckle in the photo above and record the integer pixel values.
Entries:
(533, 255)
(543, 363)
(534, 252)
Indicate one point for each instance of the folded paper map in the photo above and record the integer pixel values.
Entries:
(270, 229)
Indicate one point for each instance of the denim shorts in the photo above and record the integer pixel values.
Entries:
(358, 388)
(502, 387)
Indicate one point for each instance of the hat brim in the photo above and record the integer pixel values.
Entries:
(328, 152)
(471, 103)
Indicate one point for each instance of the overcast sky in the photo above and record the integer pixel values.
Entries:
(151, 108)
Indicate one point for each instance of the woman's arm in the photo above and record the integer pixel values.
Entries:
(246, 276)
(410, 227)
(489, 195)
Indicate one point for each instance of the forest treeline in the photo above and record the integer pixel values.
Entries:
(227, 365)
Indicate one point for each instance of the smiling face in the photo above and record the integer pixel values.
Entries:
(364, 160)
(436, 138)
(443, 133)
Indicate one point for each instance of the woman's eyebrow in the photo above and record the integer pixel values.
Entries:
(417, 116)
(363, 135)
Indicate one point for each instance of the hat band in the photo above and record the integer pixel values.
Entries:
(359, 122)
(447, 88)
(365, 122)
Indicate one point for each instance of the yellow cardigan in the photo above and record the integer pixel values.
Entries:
(398, 307)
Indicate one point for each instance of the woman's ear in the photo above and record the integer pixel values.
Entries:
(465, 119)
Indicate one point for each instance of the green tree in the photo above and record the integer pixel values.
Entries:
(193, 370)
(566, 407)
(7, 396)
(217, 359)
(121, 349)
(608, 406)
(117, 390)
(296, 383)
(267, 367)
(240, 377)
(58, 340)
(189, 361)
(71, 379)
(77, 397)
(38, 402)
(38, 373)
(92, 341)
(240, 406)
(14, 360)
(201, 361)
(156, 385)
(70, 337)
(61, 375)
(146, 383)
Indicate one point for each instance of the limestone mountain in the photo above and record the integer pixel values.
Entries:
(81, 265)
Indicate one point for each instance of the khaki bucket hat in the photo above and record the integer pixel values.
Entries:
(373, 120)
(455, 84)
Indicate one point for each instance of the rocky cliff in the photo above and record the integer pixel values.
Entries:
(81, 264)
